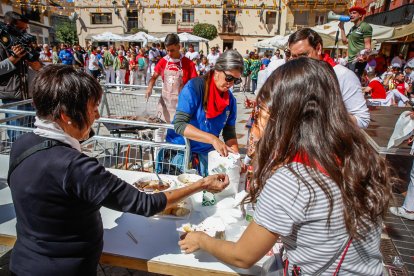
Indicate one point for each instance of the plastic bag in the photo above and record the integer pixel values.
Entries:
(229, 165)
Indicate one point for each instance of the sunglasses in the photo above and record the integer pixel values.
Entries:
(230, 78)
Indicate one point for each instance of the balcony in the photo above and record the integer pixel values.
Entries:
(290, 29)
(185, 27)
(396, 17)
(230, 28)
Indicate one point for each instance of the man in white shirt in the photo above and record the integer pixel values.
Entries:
(398, 60)
(308, 43)
(191, 54)
(276, 56)
(213, 56)
(46, 56)
(93, 65)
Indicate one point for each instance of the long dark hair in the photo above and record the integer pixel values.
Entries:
(308, 118)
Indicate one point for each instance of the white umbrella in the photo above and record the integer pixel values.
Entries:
(107, 37)
(330, 28)
(277, 41)
(141, 37)
(186, 37)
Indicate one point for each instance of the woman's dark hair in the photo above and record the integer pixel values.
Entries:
(308, 118)
(171, 39)
(61, 88)
(306, 33)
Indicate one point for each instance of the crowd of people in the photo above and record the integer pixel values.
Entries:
(318, 185)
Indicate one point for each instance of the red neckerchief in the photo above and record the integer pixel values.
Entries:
(400, 86)
(121, 58)
(328, 59)
(217, 101)
(304, 159)
(48, 53)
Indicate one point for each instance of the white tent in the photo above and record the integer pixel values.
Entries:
(107, 37)
(277, 41)
(328, 32)
(186, 37)
(141, 37)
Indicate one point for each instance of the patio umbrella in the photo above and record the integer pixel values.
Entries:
(107, 37)
(328, 32)
(277, 41)
(186, 37)
(141, 37)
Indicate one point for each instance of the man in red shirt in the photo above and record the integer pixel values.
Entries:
(176, 70)
(375, 87)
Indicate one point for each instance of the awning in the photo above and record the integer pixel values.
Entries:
(404, 30)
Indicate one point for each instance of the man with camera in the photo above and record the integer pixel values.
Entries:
(15, 59)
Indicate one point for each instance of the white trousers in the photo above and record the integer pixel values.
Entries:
(133, 77)
(110, 74)
(120, 77)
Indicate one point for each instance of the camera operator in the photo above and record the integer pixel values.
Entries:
(14, 72)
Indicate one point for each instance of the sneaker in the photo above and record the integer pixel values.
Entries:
(401, 212)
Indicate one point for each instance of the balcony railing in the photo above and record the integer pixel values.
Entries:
(186, 26)
(399, 16)
(293, 28)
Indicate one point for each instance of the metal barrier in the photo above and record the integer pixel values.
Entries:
(130, 150)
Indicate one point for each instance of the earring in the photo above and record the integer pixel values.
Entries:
(69, 122)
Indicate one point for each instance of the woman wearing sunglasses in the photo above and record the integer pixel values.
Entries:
(206, 108)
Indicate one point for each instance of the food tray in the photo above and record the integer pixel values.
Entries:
(186, 204)
(153, 178)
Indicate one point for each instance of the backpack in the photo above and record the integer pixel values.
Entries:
(141, 64)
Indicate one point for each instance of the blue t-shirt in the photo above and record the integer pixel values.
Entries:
(190, 101)
(66, 57)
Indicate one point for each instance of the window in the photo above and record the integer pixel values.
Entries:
(132, 21)
(301, 18)
(188, 16)
(319, 20)
(168, 18)
(101, 18)
(271, 18)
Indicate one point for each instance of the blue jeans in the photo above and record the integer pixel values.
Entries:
(254, 85)
(26, 121)
(172, 162)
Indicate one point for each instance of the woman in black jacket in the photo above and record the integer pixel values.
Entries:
(57, 191)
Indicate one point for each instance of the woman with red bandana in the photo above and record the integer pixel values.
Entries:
(206, 107)
(120, 66)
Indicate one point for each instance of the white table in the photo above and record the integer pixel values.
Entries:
(157, 249)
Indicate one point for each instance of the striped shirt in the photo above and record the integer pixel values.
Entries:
(309, 243)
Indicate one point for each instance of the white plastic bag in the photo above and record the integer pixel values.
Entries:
(402, 130)
(229, 165)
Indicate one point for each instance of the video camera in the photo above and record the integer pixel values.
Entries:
(11, 36)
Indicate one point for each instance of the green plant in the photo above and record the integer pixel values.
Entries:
(136, 30)
(205, 30)
(66, 33)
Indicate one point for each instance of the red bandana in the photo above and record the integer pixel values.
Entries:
(217, 101)
(304, 159)
(329, 60)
